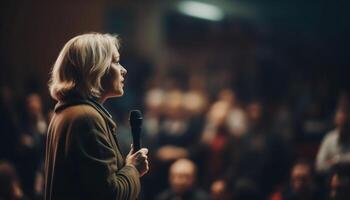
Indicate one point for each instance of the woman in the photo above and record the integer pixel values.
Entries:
(83, 160)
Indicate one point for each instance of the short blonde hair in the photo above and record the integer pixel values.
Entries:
(81, 64)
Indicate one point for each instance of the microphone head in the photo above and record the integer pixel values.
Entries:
(135, 118)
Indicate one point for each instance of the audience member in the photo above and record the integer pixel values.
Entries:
(32, 145)
(339, 186)
(259, 157)
(218, 190)
(182, 180)
(301, 184)
(335, 146)
(10, 188)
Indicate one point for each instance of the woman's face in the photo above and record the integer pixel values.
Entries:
(112, 82)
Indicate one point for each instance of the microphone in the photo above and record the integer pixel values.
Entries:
(135, 120)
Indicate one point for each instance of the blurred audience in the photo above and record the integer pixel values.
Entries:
(236, 119)
(259, 157)
(182, 180)
(10, 188)
(335, 147)
(218, 190)
(31, 149)
(214, 138)
(246, 189)
(339, 186)
(301, 185)
(9, 124)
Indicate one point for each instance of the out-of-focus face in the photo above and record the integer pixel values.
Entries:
(113, 81)
(254, 112)
(300, 177)
(218, 112)
(340, 118)
(217, 190)
(182, 177)
(34, 105)
(340, 187)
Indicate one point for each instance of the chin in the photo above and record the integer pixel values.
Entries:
(116, 94)
(119, 93)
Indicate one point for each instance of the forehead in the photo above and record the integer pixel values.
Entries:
(182, 168)
(301, 169)
(115, 51)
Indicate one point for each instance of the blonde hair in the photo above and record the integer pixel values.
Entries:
(81, 64)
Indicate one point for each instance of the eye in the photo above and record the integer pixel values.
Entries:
(115, 60)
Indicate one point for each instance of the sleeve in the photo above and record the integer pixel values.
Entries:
(322, 164)
(97, 164)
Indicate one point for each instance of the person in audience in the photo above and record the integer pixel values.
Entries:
(218, 190)
(182, 180)
(335, 146)
(10, 188)
(216, 134)
(339, 186)
(259, 157)
(32, 145)
(236, 119)
(301, 184)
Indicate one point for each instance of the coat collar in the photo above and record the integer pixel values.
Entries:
(61, 105)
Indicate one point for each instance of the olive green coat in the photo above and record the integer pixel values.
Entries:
(83, 160)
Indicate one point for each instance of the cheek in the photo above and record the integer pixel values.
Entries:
(117, 76)
(109, 81)
(117, 79)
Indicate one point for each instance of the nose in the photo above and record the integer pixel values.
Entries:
(124, 71)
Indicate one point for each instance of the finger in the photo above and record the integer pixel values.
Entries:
(131, 149)
(144, 151)
(147, 165)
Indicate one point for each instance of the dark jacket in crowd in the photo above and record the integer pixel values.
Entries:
(83, 160)
(194, 194)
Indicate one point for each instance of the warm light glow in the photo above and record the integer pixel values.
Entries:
(201, 10)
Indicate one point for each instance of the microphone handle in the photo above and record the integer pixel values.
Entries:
(136, 138)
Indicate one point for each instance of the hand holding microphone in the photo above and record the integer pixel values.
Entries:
(137, 157)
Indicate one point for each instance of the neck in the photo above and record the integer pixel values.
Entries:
(101, 100)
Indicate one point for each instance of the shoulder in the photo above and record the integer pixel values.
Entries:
(81, 114)
(165, 195)
(200, 194)
(82, 111)
(331, 136)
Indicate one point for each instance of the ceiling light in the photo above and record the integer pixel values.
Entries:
(201, 10)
